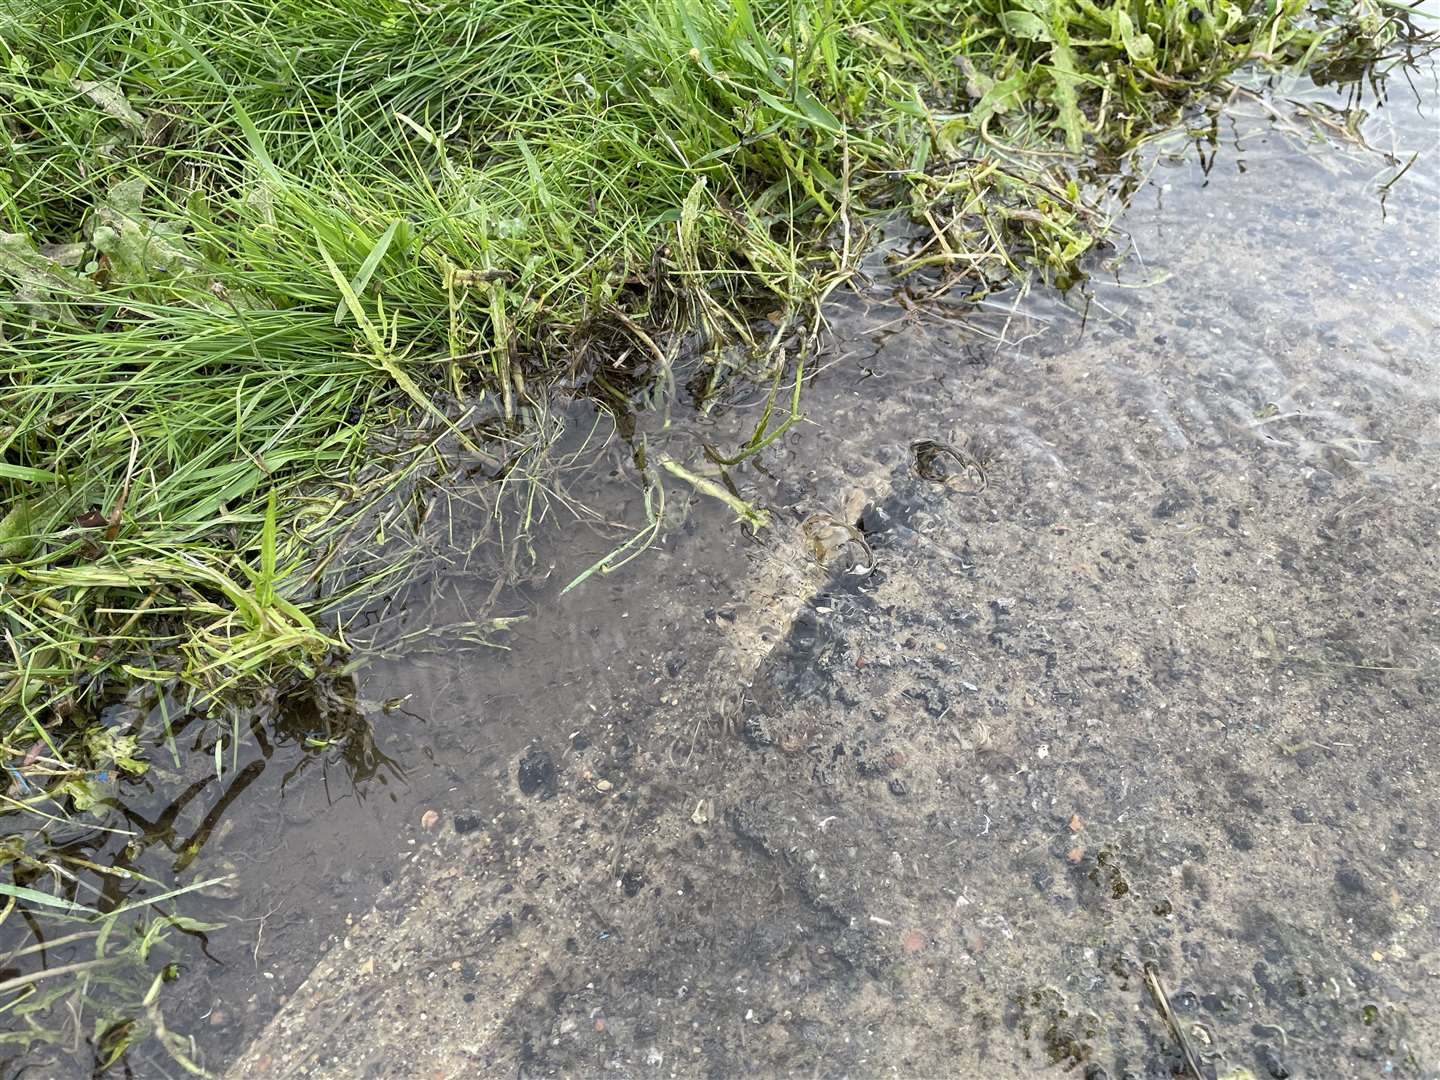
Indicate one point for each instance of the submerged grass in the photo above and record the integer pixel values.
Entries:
(241, 241)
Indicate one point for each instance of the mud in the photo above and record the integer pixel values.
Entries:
(1118, 763)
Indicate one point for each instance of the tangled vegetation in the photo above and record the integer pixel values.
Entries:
(243, 240)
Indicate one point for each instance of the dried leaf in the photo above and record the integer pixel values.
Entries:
(110, 99)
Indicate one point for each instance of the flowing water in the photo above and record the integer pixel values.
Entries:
(1140, 708)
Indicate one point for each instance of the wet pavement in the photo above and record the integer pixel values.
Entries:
(1095, 734)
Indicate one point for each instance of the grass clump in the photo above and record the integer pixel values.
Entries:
(243, 242)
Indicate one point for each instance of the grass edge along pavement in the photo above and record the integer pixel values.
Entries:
(242, 242)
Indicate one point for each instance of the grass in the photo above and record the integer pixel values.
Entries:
(244, 244)
(117, 988)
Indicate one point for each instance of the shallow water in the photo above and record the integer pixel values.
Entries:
(1275, 314)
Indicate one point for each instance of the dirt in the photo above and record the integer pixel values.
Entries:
(1117, 764)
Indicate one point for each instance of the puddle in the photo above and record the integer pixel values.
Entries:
(861, 852)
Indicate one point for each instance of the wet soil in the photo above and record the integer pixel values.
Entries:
(1113, 756)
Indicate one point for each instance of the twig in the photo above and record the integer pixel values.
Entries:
(1162, 1001)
